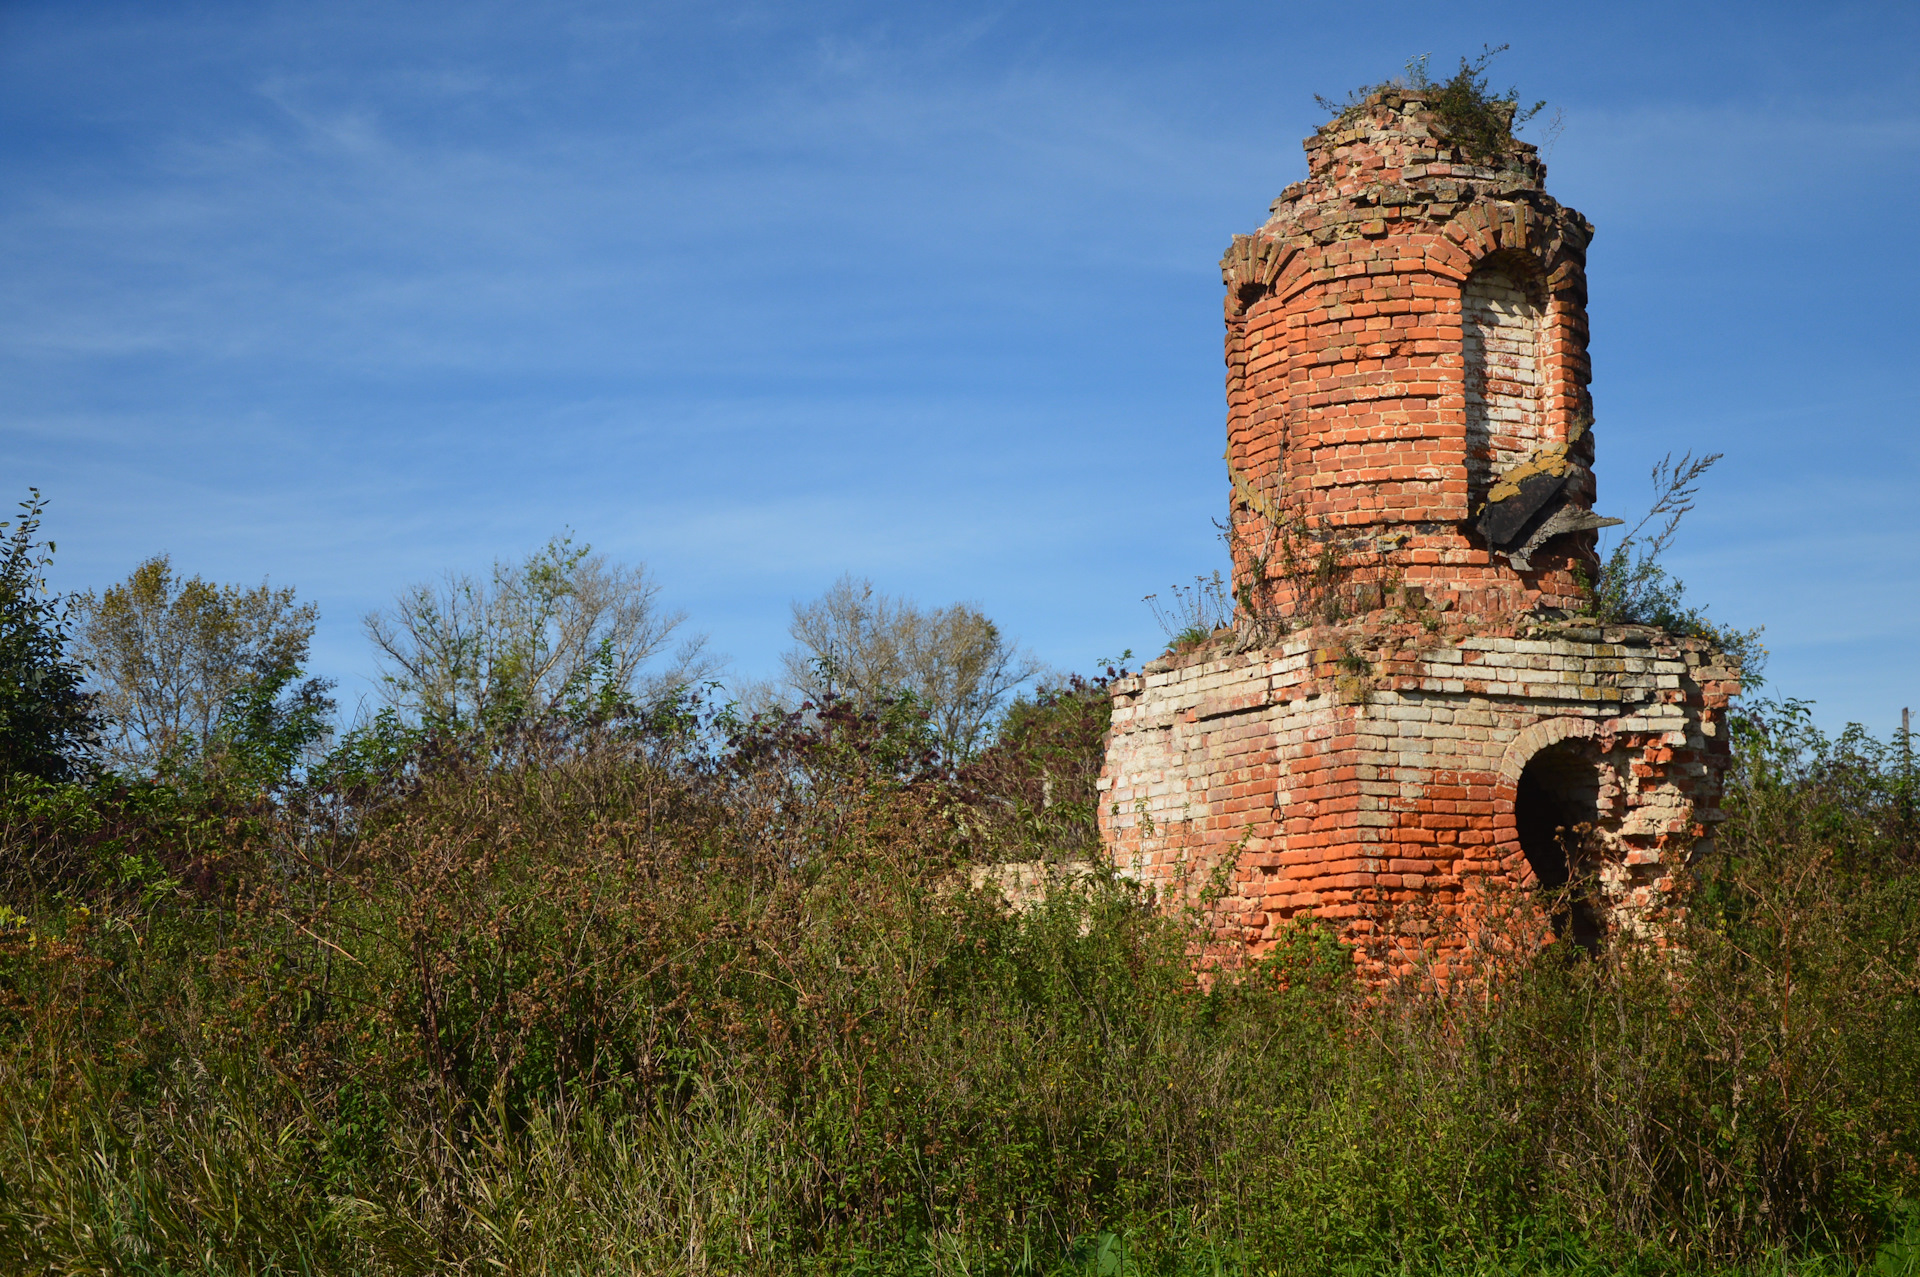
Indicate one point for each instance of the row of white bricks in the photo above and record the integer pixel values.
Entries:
(1431, 726)
(1293, 658)
(1436, 700)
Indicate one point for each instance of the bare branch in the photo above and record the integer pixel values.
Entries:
(854, 641)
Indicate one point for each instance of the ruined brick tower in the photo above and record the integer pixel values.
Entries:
(1409, 709)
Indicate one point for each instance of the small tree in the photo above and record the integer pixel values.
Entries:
(268, 731)
(168, 654)
(1634, 587)
(563, 632)
(856, 642)
(48, 721)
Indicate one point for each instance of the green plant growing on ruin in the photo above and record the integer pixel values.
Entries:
(1194, 612)
(1634, 586)
(1478, 119)
(1298, 569)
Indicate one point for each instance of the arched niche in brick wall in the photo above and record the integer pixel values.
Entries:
(1556, 814)
(1513, 761)
(1506, 374)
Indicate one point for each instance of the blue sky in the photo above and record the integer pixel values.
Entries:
(349, 294)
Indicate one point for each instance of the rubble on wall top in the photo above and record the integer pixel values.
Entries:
(1393, 139)
(1387, 167)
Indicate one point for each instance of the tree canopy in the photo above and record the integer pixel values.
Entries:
(563, 631)
(854, 641)
(48, 721)
(167, 655)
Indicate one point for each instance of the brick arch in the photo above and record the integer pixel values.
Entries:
(1520, 750)
(1507, 380)
(1522, 267)
(1544, 252)
(1551, 731)
(1249, 269)
(1553, 247)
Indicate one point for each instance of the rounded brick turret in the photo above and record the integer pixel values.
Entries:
(1407, 371)
(1412, 733)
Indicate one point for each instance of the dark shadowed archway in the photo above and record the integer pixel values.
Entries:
(1555, 809)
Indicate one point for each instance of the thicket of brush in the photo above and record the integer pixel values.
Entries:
(700, 999)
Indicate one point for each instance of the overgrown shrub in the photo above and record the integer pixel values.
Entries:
(1033, 793)
(665, 1002)
(1478, 119)
(1635, 587)
(48, 720)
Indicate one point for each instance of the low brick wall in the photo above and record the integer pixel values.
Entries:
(1361, 775)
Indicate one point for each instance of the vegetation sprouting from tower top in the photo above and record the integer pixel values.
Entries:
(1476, 118)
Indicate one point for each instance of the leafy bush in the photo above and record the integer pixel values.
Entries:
(1634, 586)
(48, 723)
(1033, 793)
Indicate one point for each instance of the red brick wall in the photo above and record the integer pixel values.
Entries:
(1348, 396)
(1408, 327)
(1300, 785)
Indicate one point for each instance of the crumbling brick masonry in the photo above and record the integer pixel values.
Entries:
(1409, 711)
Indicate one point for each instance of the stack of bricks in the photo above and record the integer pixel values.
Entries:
(1379, 734)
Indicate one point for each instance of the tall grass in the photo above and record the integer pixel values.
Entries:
(634, 1006)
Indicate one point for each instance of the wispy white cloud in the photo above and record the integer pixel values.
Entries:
(763, 293)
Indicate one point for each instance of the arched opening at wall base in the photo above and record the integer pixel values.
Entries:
(1555, 810)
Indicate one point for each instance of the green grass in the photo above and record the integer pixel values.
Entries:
(632, 1008)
